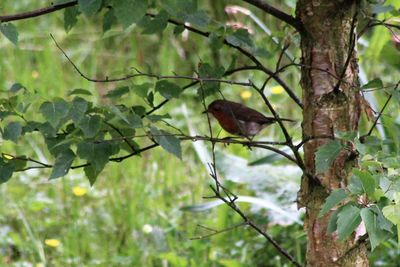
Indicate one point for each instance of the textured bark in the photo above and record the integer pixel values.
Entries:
(325, 49)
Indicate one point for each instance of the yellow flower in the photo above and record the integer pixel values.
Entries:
(79, 191)
(35, 74)
(276, 90)
(52, 242)
(245, 94)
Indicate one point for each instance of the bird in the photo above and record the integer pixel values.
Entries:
(238, 119)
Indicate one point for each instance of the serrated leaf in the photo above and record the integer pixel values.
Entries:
(326, 154)
(89, 7)
(348, 220)
(80, 91)
(16, 87)
(336, 196)
(12, 131)
(6, 171)
(392, 213)
(90, 125)
(240, 38)
(120, 91)
(62, 164)
(47, 130)
(58, 144)
(168, 89)
(332, 224)
(78, 110)
(157, 24)
(199, 18)
(375, 233)
(55, 111)
(367, 180)
(167, 141)
(179, 29)
(10, 32)
(375, 83)
(139, 110)
(70, 17)
(97, 155)
(209, 87)
(129, 11)
(141, 90)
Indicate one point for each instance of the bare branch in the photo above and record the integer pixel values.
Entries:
(380, 113)
(295, 23)
(216, 232)
(37, 12)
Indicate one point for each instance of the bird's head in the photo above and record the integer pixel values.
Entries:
(217, 107)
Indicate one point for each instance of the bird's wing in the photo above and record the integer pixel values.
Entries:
(244, 113)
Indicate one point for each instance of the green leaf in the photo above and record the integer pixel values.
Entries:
(129, 11)
(12, 131)
(157, 24)
(58, 144)
(54, 112)
(216, 41)
(120, 91)
(109, 20)
(332, 224)
(62, 164)
(80, 91)
(326, 154)
(89, 7)
(10, 32)
(207, 71)
(392, 213)
(6, 171)
(90, 125)
(78, 110)
(240, 38)
(348, 220)
(332, 200)
(70, 17)
(375, 83)
(141, 90)
(198, 18)
(167, 141)
(179, 29)
(47, 130)
(16, 87)
(96, 154)
(168, 89)
(367, 180)
(375, 233)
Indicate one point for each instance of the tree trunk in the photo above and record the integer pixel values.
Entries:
(328, 109)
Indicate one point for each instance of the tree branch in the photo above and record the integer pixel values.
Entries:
(37, 12)
(295, 23)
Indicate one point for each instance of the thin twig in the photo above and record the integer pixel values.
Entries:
(352, 44)
(37, 12)
(296, 23)
(216, 232)
(380, 113)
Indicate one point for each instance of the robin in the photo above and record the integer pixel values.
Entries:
(238, 119)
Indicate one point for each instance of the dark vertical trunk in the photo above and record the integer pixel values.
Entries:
(328, 109)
